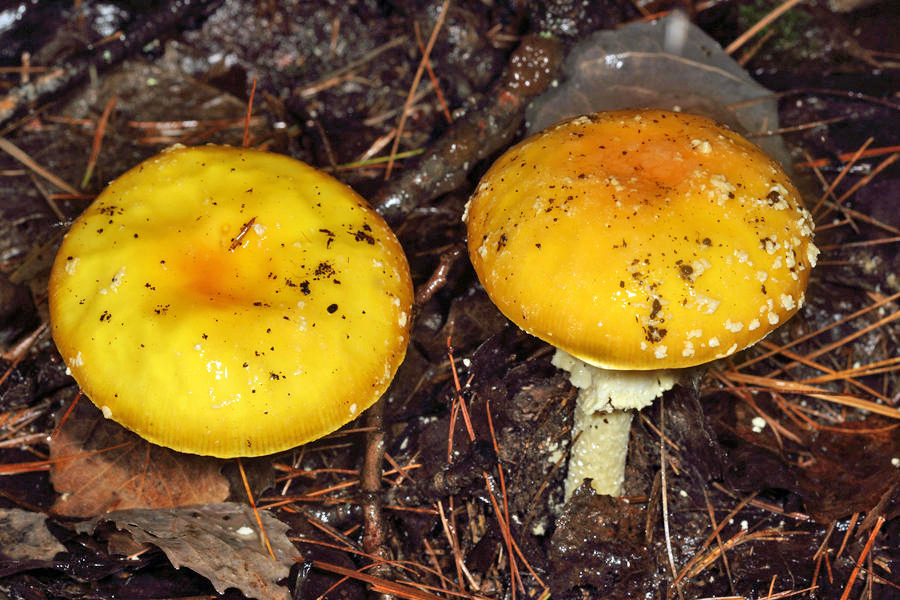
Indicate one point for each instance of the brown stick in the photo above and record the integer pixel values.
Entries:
(438, 278)
(371, 500)
(446, 163)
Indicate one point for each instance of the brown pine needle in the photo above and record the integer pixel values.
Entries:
(414, 86)
(812, 334)
(847, 156)
(847, 167)
(20, 349)
(822, 553)
(450, 534)
(20, 419)
(458, 389)
(23, 70)
(317, 494)
(262, 530)
(412, 567)
(789, 593)
(15, 363)
(761, 24)
(246, 139)
(842, 342)
(711, 513)
(21, 156)
(431, 75)
(377, 583)
(98, 141)
(515, 578)
(862, 556)
(656, 430)
(665, 495)
(872, 242)
(795, 128)
(459, 405)
(876, 368)
(793, 387)
(44, 465)
(831, 373)
(513, 567)
(862, 182)
(771, 586)
(337, 76)
(847, 534)
(700, 562)
(727, 519)
(65, 416)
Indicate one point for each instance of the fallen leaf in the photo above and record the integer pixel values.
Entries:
(113, 468)
(24, 535)
(221, 542)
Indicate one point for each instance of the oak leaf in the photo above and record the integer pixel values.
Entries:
(100, 466)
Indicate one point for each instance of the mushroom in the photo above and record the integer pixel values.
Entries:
(230, 302)
(639, 244)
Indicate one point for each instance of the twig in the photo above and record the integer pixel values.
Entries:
(370, 484)
(438, 278)
(445, 164)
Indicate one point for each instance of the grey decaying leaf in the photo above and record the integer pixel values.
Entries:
(221, 541)
(24, 535)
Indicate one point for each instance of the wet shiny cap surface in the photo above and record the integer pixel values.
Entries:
(641, 239)
(230, 302)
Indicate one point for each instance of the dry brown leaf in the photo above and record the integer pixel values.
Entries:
(24, 535)
(219, 541)
(136, 474)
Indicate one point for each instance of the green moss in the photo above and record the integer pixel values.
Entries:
(797, 35)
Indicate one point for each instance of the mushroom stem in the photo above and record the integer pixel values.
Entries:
(599, 449)
(605, 406)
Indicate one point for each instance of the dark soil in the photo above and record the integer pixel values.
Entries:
(798, 500)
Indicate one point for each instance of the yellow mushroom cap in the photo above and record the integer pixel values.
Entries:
(230, 302)
(641, 239)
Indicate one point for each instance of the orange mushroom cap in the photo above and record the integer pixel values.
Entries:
(230, 302)
(641, 239)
